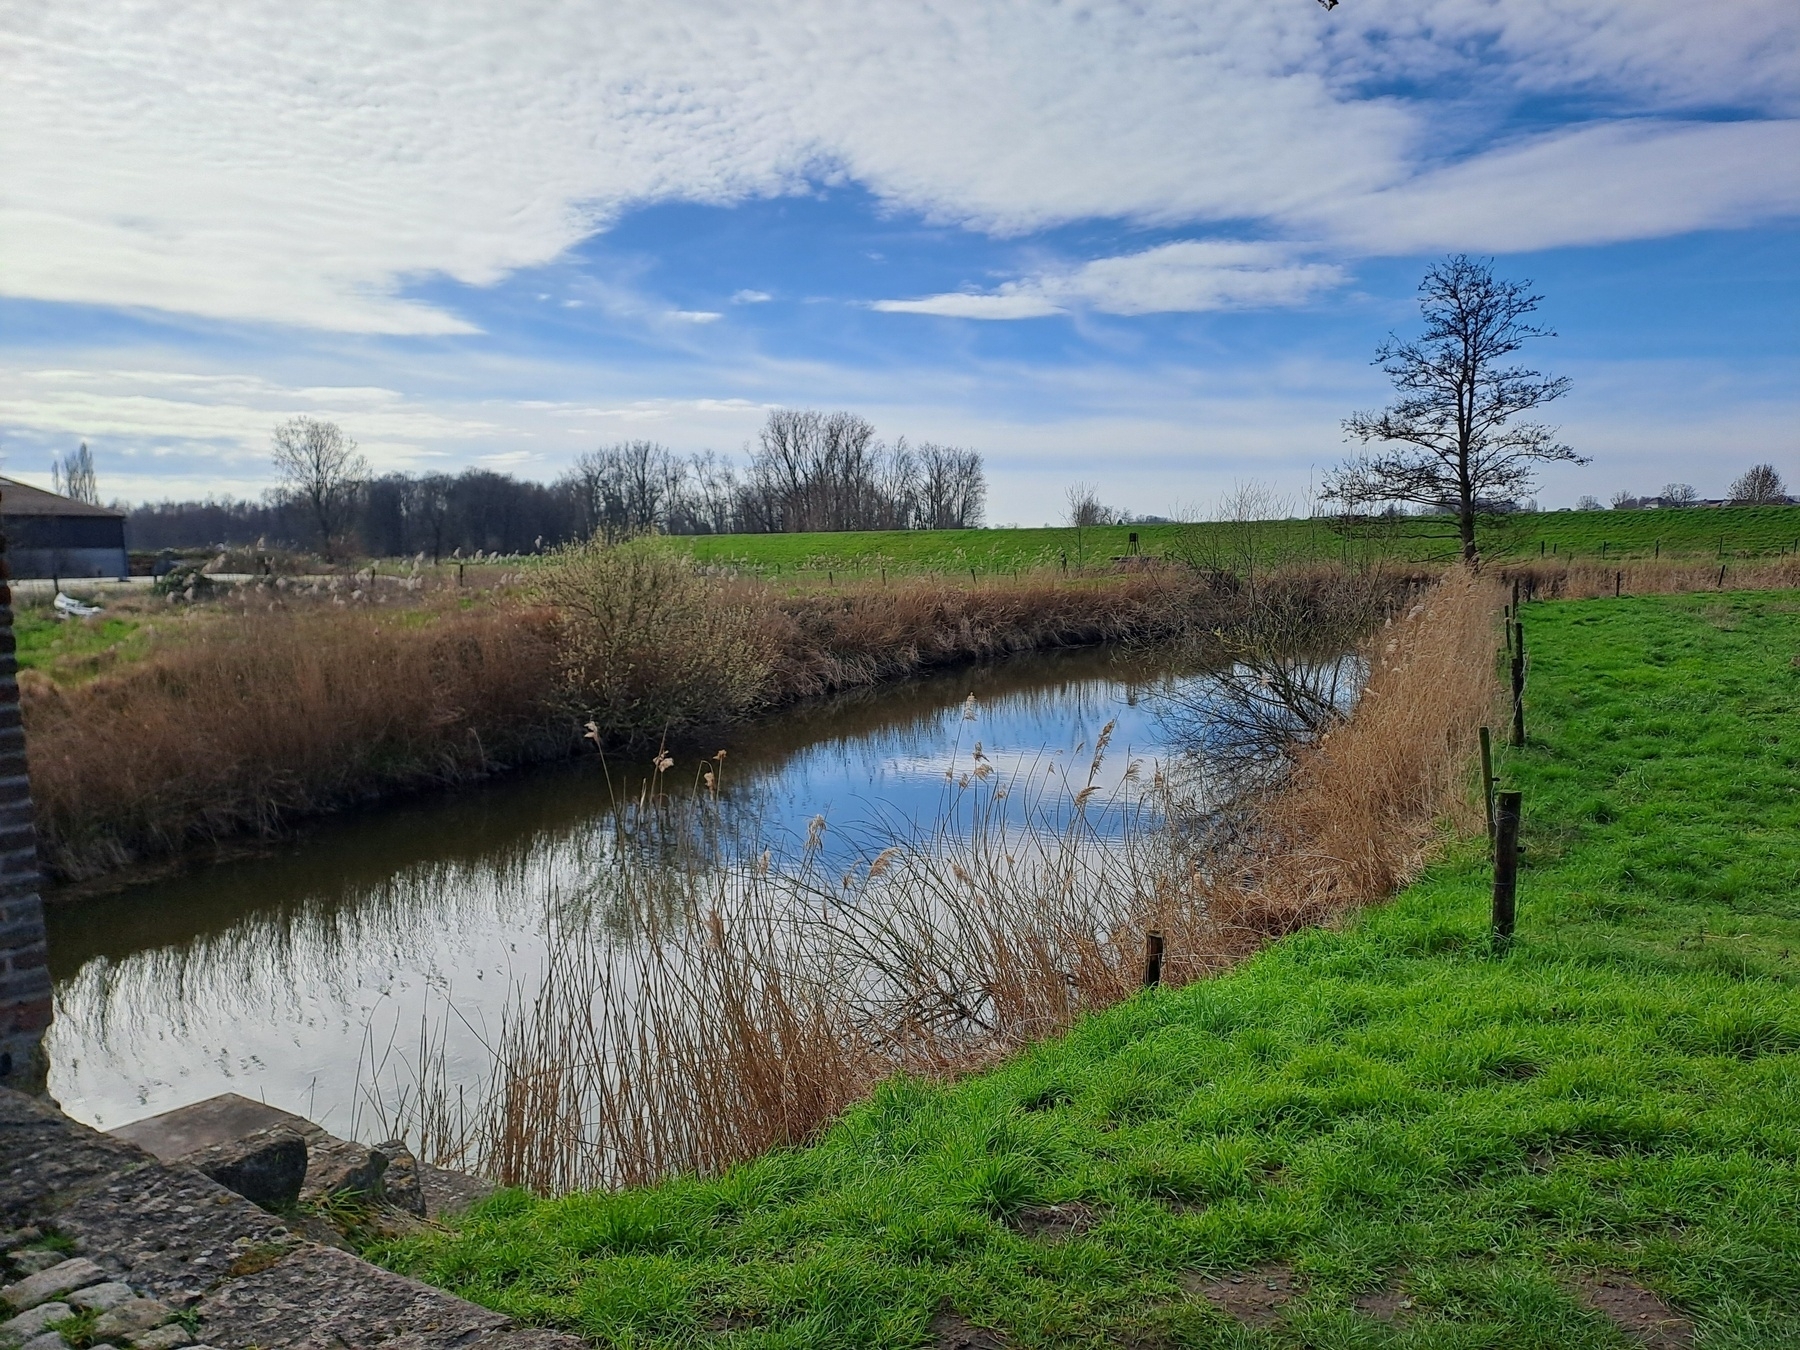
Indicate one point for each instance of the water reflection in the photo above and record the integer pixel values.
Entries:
(285, 976)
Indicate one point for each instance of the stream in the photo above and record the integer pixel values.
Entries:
(294, 973)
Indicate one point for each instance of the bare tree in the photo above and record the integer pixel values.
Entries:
(1454, 438)
(321, 467)
(73, 476)
(1679, 494)
(953, 488)
(1760, 486)
(1588, 502)
(1625, 500)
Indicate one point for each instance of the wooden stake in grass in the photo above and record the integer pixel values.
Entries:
(1506, 869)
(1487, 779)
(1618, 584)
(1518, 683)
(1153, 958)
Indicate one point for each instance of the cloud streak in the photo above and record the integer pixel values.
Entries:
(1188, 276)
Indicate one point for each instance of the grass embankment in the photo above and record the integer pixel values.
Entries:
(1734, 532)
(1391, 1111)
(244, 718)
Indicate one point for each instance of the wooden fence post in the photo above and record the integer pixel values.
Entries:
(1153, 958)
(1487, 779)
(1506, 869)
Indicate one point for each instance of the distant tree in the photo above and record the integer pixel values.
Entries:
(321, 467)
(1624, 500)
(73, 476)
(952, 488)
(1085, 507)
(1679, 494)
(1760, 486)
(1588, 503)
(1452, 428)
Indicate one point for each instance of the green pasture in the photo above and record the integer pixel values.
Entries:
(1727, 532)
(1442, 1144)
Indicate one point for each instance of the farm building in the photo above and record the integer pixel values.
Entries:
(52, 536)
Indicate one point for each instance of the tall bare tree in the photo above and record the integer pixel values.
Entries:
(1760, 486)
(73, 476)
(320, 467)
(1451, 439)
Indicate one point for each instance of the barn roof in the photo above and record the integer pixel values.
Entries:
(22, 499)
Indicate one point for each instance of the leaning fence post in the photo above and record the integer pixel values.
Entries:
(1487, 779)
(1518, 684)
(1506, 868)
(1153, 957)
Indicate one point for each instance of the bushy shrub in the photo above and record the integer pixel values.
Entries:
(646, 641)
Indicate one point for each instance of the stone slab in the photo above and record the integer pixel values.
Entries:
(172, 1233)
(323, 1297)
(217, 1120)
(169, 1233)
(44, 1156)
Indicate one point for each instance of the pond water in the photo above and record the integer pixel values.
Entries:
(288, 975)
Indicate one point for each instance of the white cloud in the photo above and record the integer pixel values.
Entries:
(1592, 184)
(695, 315)
(304, 164)
(748, 297)
(1190, 275)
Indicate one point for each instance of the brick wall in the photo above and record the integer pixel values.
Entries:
(24, 962)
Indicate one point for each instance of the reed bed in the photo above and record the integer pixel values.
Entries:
(755, 1002)
(252, 721)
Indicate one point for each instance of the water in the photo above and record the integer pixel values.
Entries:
(293, 974)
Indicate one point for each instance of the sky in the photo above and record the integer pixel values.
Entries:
(1150, 246)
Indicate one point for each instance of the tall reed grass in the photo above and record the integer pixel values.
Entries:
(754, 1003)
(250, 722)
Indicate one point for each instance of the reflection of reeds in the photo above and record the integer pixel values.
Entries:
(753, 1011)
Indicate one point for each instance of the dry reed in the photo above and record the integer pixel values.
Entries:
(251, 722)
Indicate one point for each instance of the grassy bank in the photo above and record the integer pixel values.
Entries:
(244, 715)
(1413, 1141)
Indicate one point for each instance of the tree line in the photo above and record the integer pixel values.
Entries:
(808, 471)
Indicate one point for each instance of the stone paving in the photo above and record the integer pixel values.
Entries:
(102, 1244)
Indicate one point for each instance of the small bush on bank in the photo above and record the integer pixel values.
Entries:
(646, 642)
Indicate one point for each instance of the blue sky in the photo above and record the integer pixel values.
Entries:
(1151, 246)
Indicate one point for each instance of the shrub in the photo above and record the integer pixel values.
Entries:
(645, 641)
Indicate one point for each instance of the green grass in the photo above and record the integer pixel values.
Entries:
(1699, 532)
(73, 649)
(1389, 1104)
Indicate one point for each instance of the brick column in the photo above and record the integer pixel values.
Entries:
(24, 957)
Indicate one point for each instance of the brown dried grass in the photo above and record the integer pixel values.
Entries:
(246, 724)
(1595, 579)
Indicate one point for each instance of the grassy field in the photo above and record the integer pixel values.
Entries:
(1737, 531)
(1416, 1142)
